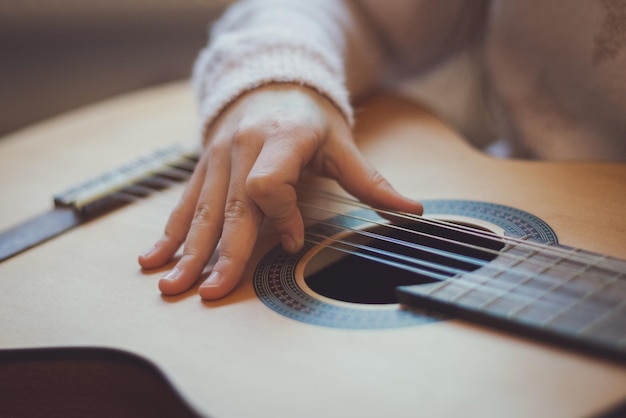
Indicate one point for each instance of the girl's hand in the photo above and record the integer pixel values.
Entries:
(249, 168)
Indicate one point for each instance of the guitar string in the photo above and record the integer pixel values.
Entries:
(470, 260)
(186, 165)
(137, 191)
(181, 173)
(408, 264)
(547, 284)
(525, 301)
(537, 276)
(594, 318)
(520, 242)
(140, 192)
(541, 265)
(182, 169)
(526, 276)
(573, 254)
(407, 244)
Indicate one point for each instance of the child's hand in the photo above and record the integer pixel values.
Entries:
(253, 158)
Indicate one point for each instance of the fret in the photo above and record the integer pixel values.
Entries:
(531, 312)
(593, 285)
(529, 265)
(519, 282)
(472, 290)
(445, 289)
(561, 294)
(499, 306)
(562, 276)
(612, 320)
(534, 259)
(475, 296)
(617, 289)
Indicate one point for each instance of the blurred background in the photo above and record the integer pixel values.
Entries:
(57, 55)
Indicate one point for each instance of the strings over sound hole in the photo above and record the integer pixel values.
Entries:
(414, 254)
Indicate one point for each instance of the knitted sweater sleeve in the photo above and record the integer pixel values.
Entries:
(309, 43)
(340, 48)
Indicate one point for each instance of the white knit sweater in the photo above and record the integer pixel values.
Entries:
(546, 77)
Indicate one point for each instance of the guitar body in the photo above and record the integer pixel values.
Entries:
(237, 357)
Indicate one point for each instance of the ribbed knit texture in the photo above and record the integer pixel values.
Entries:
(236, 61)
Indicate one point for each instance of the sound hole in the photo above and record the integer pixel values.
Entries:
(445, 251)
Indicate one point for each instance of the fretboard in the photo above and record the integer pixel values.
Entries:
(554, 293)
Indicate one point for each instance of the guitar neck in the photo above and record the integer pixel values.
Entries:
(555, 293)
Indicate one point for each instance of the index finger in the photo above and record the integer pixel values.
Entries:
(361, 179)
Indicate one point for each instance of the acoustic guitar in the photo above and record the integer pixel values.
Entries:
(322, 332)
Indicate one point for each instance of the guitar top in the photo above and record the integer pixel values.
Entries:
(287, 342)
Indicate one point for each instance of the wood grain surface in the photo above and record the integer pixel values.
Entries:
(237, 358)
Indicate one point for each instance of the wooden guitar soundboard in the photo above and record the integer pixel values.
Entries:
(237, 357)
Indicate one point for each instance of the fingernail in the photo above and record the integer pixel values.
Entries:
(172, 274)
(148, 252)
(213, 280)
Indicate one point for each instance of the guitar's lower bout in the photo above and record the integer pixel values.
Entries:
(288, 283)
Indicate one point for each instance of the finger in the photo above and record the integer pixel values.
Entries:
(359, 178)
(240, 229)
(178, 223)
(241, 226)
(205, 226)
(271, 185)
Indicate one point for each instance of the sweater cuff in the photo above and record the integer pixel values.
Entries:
(231, 66)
